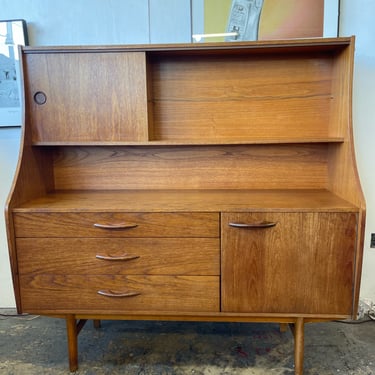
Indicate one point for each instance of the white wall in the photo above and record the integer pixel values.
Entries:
(68, 22)
(9, 146)
(357, 18)
(127, 21)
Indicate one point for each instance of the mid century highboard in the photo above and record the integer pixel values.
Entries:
(209, 182)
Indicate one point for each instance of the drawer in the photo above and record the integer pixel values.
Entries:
(88, 224)
(119, 256)
(120, 294)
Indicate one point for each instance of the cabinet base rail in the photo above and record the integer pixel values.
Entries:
(74, 327)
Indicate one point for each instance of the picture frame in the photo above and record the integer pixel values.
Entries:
(13, 33)
(240, 20)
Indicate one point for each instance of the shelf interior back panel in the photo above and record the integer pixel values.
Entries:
(241, 96)
(191, 167)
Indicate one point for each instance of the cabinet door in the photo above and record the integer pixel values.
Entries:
(87, 96)
(302, 264)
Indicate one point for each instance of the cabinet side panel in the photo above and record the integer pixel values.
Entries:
(343, 174)
(33, 178)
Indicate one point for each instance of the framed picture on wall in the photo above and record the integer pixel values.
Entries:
(12, 34)
(240, 20)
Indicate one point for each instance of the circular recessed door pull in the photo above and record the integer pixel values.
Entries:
(40, 97)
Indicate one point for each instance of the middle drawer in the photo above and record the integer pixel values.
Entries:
(119, 256)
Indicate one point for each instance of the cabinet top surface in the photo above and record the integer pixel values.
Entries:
(319, 43)
(188, 201)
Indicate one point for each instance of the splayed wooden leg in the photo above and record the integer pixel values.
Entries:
(71, 328)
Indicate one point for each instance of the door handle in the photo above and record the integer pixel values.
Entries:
(255, 225)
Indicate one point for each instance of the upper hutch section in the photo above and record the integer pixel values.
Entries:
(229, 93)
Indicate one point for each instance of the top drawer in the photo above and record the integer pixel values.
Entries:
(99, 224)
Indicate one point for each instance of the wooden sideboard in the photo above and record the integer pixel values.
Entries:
(210, 182)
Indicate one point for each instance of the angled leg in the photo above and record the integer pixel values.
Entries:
(72, 333)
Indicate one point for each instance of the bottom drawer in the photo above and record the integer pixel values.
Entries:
(106, 294)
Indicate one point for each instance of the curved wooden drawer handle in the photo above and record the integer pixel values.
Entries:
(256, 225)
(117, 257)
(110, 293)
(116, 226)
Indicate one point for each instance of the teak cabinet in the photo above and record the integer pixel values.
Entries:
(188, 182)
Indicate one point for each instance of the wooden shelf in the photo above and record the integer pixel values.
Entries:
(201, 141)
(188, 200)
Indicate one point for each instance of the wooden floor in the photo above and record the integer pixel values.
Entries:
(37, 345)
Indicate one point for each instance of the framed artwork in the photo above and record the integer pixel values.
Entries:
(239, 20)
(12, 34)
